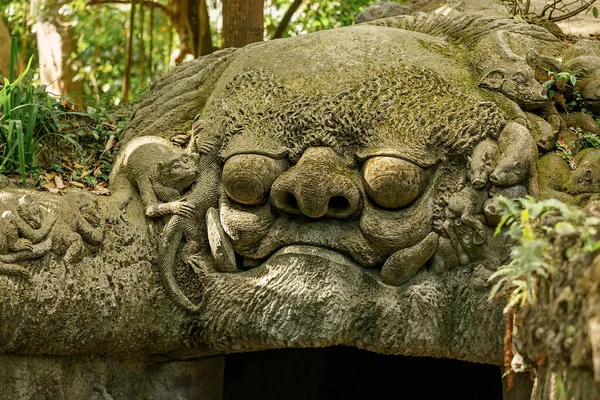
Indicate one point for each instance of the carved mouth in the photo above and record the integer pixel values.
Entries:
(400, 268)
(305, 250)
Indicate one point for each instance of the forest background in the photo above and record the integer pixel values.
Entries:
(75, 67)
(103, 52)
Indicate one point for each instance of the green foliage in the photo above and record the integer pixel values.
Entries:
(587, 140)
(18, 145)
(565, 152)
(314, 15)
(558, 80)
(534, 257)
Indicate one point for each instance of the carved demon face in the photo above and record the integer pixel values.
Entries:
(335, 156)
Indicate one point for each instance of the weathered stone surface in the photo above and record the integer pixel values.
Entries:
(348, 178)
(97, 378)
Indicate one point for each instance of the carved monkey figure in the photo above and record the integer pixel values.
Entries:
(83, 225)
(160, 172)
(18, 235)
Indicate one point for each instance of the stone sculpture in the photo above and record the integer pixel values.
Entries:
(335, 187)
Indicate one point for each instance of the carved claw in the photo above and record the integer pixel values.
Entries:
(183, 208)
(404, 264)
(23, 244)
(206, 147)
(181, 140)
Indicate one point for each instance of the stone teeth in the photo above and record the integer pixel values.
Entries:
(220, 244)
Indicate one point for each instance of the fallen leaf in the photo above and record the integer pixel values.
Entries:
(49, 185)
(97, 171)
(102, 191)
(59, 182)
(110, 144)
(50, 176)
(109, 127)
(54, 190)
(77, 184)
(560, 100)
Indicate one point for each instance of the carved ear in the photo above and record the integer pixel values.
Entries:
(518, 164)
(493, 79)
(587, 175)
(536, 61)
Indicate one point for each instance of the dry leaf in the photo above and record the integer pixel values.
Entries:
(97, 171)
(77, 184)
(49, 185)
(102, 191)
(59, 182)
(560, 100)
(54, 190)
(50, 176)
(109, 127)
(110, 144)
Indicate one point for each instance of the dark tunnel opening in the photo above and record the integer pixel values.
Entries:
(349, 373)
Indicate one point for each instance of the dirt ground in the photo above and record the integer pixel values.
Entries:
(580, 25)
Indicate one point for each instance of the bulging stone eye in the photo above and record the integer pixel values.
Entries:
(247, 178)
(392, 182)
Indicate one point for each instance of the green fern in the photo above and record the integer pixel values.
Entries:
(533, 256)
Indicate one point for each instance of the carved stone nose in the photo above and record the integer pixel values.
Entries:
(319, 185)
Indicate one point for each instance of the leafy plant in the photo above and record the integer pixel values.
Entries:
(20, 114)
(534, 255)
(559, 80)
(565, 152)
(587, 140)
(28, 114)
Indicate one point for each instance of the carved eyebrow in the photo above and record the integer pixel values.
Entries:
(277, 154)
(362, 156)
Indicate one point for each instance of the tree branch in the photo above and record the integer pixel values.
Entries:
(146, 3)
(572, 13)
(287, 17)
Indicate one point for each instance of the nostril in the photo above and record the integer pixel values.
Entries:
(285, 201)
(290, 201)
(338, 203)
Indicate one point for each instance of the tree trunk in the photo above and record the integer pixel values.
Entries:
(4, 48)
(242, 22)
(190, 20)
(129, 55)
(56, 41)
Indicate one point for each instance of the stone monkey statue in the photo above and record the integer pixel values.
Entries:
(82, 226)
(18, 235)
(159, 171)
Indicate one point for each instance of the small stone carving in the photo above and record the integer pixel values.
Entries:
(19, 235)
(518, 157)
(82, 225)
(160, 172)
(543, 133)
(463, 208)
(201, 199)
(586, 176)
(483, 162)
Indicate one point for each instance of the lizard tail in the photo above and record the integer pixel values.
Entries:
(167, 254)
